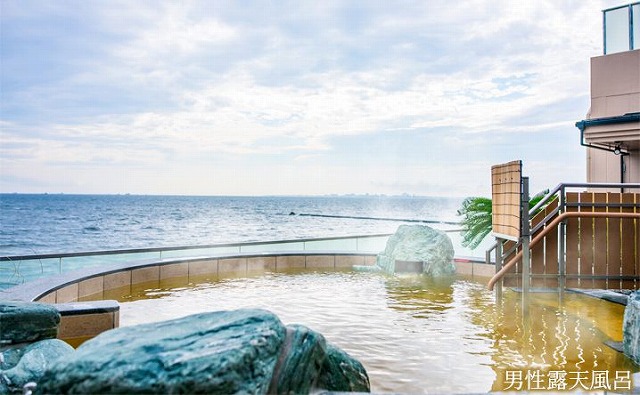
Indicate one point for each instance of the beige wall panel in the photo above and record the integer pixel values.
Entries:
(368, 260)
(483, 270)
(203, 268)
(145, 275)
(465, 268)
(603, 166)
(233, 265)
(48, 298)
(92, 286)
(348, 261)
(633, 169)
(260, 264)
(85, 325)
(174, 270)
(67, 294)
(117, 280)
(615, 74)
(320, 261)
(292, 261)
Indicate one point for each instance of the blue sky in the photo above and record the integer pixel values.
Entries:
(292, 97)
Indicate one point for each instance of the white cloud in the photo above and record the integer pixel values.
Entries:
(185, 81)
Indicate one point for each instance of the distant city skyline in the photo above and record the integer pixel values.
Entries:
(292, 98)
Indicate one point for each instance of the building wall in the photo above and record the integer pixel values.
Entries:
(615, 91)
(633, 168)
(615, 84)
(604, 166)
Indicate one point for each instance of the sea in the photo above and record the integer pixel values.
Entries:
(63, 223)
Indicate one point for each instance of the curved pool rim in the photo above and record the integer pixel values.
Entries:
(61, 288)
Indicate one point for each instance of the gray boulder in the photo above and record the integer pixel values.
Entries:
(418, 243)
(631, 328)
(22, 364)
(227, 352)
(22, 322)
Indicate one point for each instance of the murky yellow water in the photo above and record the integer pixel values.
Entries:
(417, 335)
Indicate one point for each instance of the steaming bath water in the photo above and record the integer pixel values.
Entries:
(414, 334)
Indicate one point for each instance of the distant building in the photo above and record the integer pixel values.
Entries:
(611, 130)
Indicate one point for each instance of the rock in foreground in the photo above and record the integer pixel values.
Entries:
(227, 352)
(22, 322)
(342, 373)
(631, 328)
(417, 243)
(27, 363)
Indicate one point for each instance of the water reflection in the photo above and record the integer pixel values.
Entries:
(554, 333)
(420, 297)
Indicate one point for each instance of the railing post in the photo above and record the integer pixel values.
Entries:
(525, 238)
(561, 257)
(562, 232)
(498, 267)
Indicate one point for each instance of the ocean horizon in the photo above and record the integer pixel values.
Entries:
(39, 223)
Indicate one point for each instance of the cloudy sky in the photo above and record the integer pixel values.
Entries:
(292, 97)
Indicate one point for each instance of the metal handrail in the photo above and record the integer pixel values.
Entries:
(176, 248)
(553, 224)
(563, 186)
(552, 195)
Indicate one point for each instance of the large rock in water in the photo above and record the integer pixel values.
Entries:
(631, 328)
(418, 243)
(22, 322)
(227, 352)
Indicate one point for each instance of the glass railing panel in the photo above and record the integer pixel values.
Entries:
(193, 252)
(22, 271)
(273, 247)
(81, 262)
(18, 272)
(332, 245)
(616, 30)
(635, 23)
(372, 244)
(478, 252)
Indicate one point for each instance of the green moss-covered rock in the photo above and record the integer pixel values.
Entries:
(220, 352)
(20, 365)
(342, 373)
(631, 328)
(419, 243)
(22, 322)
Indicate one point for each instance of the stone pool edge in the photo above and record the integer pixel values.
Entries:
(81, 320)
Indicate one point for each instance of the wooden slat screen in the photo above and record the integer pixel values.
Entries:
(506, 181)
